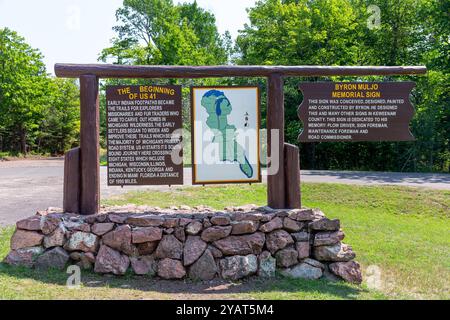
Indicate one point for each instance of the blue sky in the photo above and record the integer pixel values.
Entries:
(76, 31)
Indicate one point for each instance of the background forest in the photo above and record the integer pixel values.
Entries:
(40, 114)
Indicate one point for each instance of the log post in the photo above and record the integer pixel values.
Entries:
(292, 176)
(275, 121)
(90, 145)
(71, 193)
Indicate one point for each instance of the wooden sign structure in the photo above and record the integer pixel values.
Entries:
(141, 122)
(82, 172)
(356, 111)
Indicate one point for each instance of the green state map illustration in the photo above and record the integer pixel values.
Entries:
(218, 108)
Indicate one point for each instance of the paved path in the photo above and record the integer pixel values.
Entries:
(26, 186)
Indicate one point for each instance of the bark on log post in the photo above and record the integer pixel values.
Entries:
(275, 121)
(292, 176)
(71, 193)
(90, 147)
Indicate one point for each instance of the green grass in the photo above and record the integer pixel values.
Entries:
(404, 232)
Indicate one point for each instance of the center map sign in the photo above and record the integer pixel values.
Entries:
(141, 121)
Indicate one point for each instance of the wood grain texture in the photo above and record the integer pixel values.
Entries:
(122, 71)
(292, 176)
(71, 193)
(275, 121)
(90, 145)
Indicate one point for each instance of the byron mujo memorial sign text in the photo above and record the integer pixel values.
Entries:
(141, 121)
(356, 111)
(225, 134)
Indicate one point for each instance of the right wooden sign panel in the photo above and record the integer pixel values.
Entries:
(356, 111)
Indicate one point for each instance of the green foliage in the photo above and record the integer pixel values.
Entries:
(159, 32)
(37, 113)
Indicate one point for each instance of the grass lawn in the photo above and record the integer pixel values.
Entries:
(401, 237)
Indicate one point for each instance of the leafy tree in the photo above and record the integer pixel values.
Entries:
(335, 32)
(22, 73)
(60, 125)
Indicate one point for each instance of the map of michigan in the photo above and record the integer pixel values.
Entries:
(218, 108)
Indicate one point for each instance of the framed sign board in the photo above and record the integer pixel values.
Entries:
(225, 134)
(141, 121)
(356, 111)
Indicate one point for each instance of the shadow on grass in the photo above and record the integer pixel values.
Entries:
(274, 288)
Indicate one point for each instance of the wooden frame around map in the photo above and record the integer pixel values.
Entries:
(258, 124)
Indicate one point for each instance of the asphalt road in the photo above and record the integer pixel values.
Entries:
(27, 186)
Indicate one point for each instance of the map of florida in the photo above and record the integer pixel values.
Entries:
(218, 108)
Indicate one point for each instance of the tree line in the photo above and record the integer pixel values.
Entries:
(36, 114)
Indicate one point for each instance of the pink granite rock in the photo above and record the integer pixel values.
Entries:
(171, 269)
(193, 249)
(241, 245)
(111, 261)
(277, 240)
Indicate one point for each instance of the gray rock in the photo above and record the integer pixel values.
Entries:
(215, 233)
(215, 252)
(301, 214)
(238, 267)
(49, 223)
(23, 257)
(314, 263)
(169, 247)
(286, 257)
(328, 238)
(267, 265)
(338, 252)
(274, 224)
(54, 258)
(193, 249)
(244, 227)
(292, 225)
(194, 228)
(325, 224)
(82, 241)
(56, 238)
(205, 268)
(180, 234)
(301, 236)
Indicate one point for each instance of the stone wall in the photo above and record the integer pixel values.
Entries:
(181, 242)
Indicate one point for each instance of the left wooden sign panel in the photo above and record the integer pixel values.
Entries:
(144, 135)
